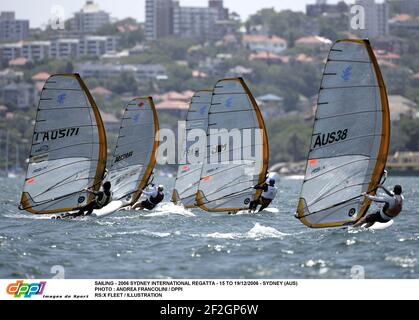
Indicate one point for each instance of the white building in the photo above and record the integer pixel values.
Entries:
(376, 18)
(159, 18)
(36, 50)
(97, 45)
(20, 95)
(261, 43)
(89, 19)
(12, 29)
(105, 71)
(195, 22)
(10, 51)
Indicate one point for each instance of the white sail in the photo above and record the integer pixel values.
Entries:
(68, 152)
(189, 174)
(350, 139)
(135, 152)
(227, 185)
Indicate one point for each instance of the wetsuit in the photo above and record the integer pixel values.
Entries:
(393, 205)
(154, 198)
(268, 194)
(102, 198)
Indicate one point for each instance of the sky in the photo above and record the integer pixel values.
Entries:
(39, 11)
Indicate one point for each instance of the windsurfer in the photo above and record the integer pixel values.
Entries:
(393, 205)
(268, 194)
(155, 196)
(102, 198)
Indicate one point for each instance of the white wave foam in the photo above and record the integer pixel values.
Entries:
(262, 232)
(168, 209)
(258, 232)
(144, 233)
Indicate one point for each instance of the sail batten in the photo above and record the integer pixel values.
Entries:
(350, 138)
(68, 152)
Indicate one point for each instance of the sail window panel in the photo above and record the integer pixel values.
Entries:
(356, 146)
(349, 51)
(336, 186)
(230, 102)
(229, 86)
(345, 212)
(46, 179)
(348, 74)
(62, 82)
(345, 101)
(232, 120)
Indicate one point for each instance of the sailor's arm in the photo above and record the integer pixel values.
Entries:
(91, 191)
(148, 193)
(385, 190)
(375, 198)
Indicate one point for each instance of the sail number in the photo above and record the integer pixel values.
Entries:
(57, 134)
(324, 139)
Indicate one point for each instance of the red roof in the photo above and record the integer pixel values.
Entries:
(268, 56)
(262, 38)
(313, 40)
(172, 105)
(41, 76)
(18, 62)
(101, 91)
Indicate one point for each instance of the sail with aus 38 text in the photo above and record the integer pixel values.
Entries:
(68, 152)
(350, 138)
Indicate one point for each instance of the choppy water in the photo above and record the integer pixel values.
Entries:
(176, 243)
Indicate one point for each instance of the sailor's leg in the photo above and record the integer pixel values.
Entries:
(264, 204)
(90, 208)
(137, 206)
(253, 205)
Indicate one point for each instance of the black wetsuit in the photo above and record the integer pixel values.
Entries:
(88, 209)
(261, 201)
(152, 202)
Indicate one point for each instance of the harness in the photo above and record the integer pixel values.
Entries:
(395, 211)
(105, 200)
(157, 199)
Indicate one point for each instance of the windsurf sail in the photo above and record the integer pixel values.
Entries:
(350, 138)
(68, 152)
(189, 172)
(231, 170)
(135, 152)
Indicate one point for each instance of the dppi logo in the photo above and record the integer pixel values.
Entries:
(346, 73)
(27, 290)
(61, 98)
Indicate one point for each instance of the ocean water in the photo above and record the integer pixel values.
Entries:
(172, 242)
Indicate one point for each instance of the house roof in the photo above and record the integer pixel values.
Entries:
(172, 105)
(313, 40)
(18, 62)
(264, 55)
(41, 76)
(240, 70)
(262, 38)
(101, 91)
(270, 98)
